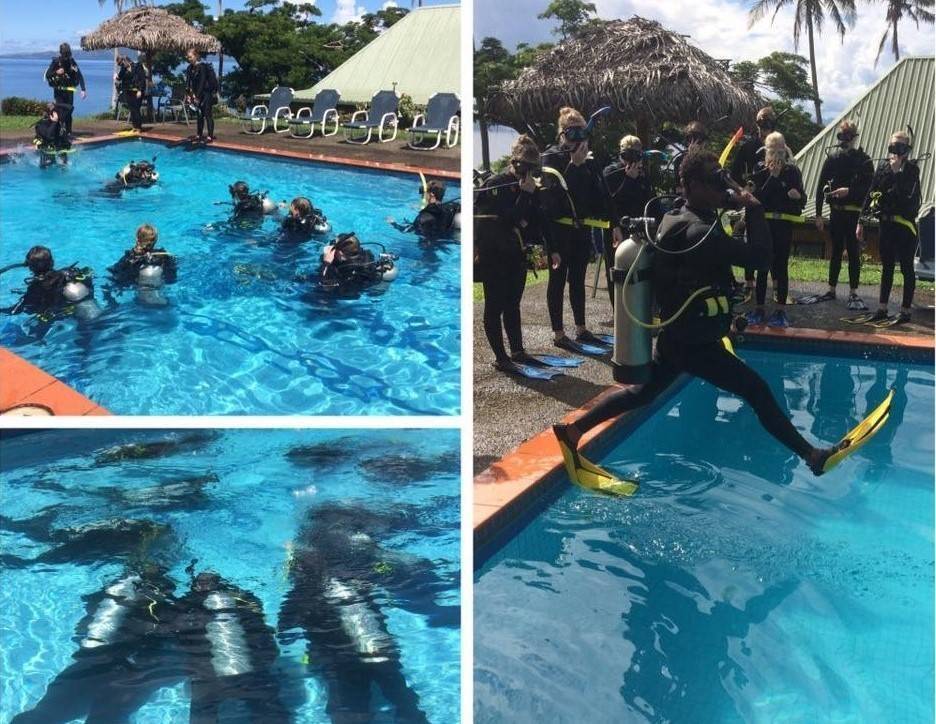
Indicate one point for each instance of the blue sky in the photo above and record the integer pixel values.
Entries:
(27, 26)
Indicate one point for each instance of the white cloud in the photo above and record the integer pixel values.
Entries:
(390, 4)
(347, 11)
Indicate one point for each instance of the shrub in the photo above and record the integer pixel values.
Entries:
(407, 110)
(16, 106)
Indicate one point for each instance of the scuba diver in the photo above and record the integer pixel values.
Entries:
(131, 84)
(123, 653)
(304, 221)
(250, 205)
(843, 182)
(436, 219)
(145, 266)
(64, 75)
(690, 270)
(136, 174)
(694, 134)
(229, 652)
(51, 138)
(201, 89)
(894, 198)
(574, 201)
(347, 265)
(778, 185)
(51, 292)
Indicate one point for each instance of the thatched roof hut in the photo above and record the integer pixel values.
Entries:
(646, 73)
(149, 29)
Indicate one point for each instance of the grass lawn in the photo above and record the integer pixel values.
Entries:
(16, 123)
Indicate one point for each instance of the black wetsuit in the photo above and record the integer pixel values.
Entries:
(127, 270)
(744, 162)
(351, 272)
(131, 81)
(249, 207)
(202, 83)
(64, 98)
(435, 220)
(851, 169)
(692, 343)
(895, 199)
(585, 198)
(303, 228)
(504, 219)
(51, 139)
(629, 197)
(773, 193)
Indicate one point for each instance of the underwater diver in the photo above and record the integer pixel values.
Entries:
(145, 266)
(51, 293)
(123, 653)
(691, 273)
(304, 221)
(778, 185)
(347, 265)
(51, 139)
(131, 85)
(507, 222)
(136, 174)
(574, 201)
(175, 444)
(64, 75)
(437, 219)
(843, 182)
(201, 89)
(894, 198)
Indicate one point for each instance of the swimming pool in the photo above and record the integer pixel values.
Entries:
(239, 503)
(241, 334)
(735, 586)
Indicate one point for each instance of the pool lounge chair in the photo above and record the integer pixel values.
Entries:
(324, 111)
(175, 105)
(382, 113)
(441, 116)
(276, 112)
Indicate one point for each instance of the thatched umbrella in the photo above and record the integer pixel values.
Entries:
(149, 30)
(646, 73)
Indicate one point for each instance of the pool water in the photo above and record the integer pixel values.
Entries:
(243, 527)
(242, 333)
(735, 586)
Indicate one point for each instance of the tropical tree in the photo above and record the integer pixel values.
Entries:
(571, 14)
(809, 14)
(916, 10)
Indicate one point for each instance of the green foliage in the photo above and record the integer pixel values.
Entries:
(572, 15)
(16, 106)
(784, 75)
(494, 64)
(165, 63)
(407, 110)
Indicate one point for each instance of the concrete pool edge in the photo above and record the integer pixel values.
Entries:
(512, 487)
(25, 385)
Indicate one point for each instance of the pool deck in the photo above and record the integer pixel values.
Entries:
(392, 156)
(515, 458)
(22, 384)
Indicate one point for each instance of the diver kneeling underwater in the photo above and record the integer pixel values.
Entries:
(346, 264)
(691, 273)
(51, 292)
(304, 220)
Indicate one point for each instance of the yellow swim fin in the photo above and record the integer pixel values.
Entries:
(132, 132)
(864, 431)
(726, 343)
(585, 473)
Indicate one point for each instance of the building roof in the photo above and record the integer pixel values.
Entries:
(905, 94)
(419, 54)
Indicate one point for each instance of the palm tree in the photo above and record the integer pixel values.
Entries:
(809, 14)
(120, 6)
(916, 10)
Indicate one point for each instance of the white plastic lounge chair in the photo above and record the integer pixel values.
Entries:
(382, 114)
(276, 112)
(441, 116)
(324, 112)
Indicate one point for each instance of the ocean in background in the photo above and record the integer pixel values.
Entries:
(25, 77)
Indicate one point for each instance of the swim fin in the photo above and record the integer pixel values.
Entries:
(891, 321)
(131, 132)
(585, 473)
(551, 360)
(860, 319)
(528, 371)
(864, 431)
(607, 339)
(581, 347)
(815, 298)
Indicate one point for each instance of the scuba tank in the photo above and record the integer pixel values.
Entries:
(150, 276)
(389, 270)
(632, 354)
(269, 205)
(78, 291)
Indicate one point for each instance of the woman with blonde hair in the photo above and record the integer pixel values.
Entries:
(778, 185)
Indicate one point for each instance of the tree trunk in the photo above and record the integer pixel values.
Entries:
(812, 67)
(149, 85)
(896, 46)
(485, 144)
(114, 83)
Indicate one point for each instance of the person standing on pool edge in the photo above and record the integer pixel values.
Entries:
(131, 82)
(201, 86)
(693, 342)
(64, 75)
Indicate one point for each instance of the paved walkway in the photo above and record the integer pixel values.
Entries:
(509, 409)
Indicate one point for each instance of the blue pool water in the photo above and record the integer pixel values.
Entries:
(735, 586)
(241, 335)
(244, 528)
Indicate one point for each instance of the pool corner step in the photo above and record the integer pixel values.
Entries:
(27, 390)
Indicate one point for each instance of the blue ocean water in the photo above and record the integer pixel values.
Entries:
(244, 527)
(25, 77)
(241, 334)
(735, 586)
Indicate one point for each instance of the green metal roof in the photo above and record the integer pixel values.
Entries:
(904, 94)
(420, 54)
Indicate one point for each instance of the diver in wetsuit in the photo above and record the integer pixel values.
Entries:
(894, 198)
(249, 205)
(51, 139)
(702, 256)
(506, 220)
(695, 135)
(136, 174)
(50, 291)
(304, 221)
(437, 219)
(131, 84)
(201, 88)
(64, 75)
(144, 265)
(843, 182)
(778, 185)
(346, 264)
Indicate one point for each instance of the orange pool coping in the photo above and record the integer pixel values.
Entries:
(22, 383)
(524, 471)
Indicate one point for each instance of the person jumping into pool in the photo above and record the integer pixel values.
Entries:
(346, 264)
(51, 140)
(894, 198)
(144, 265)
(201, 89)
(52, 292)
(691, 274)
(304, 221)
(131, 84)
(64, 75)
